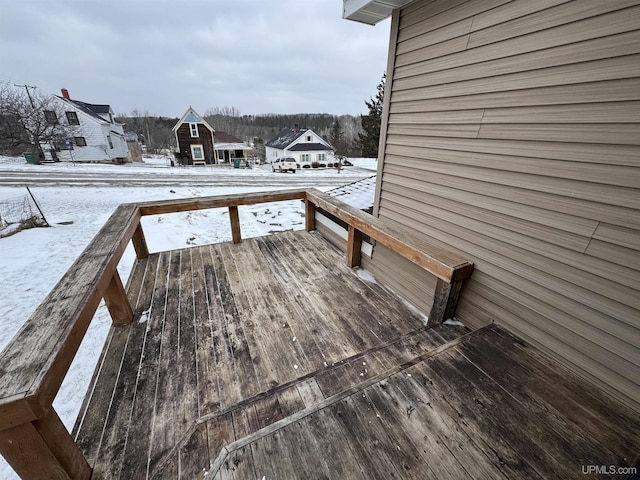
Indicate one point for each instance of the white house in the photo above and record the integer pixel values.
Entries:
(303, 144)
(93, 136)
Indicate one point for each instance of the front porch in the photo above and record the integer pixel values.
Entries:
(272, 357)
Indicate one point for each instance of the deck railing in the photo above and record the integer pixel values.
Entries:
(33, 439)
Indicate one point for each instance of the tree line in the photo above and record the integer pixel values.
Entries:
(156, 131)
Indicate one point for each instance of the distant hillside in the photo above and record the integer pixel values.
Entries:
(156, 133)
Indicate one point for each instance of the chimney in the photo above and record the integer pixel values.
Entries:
(296, 127)
(65, 93)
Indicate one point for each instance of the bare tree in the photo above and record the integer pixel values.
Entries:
(41, 118)
(13, 137)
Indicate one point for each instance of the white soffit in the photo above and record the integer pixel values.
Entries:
(370, 11)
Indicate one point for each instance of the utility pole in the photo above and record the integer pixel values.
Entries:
(27, 87)
(36, 138)
(148, 135)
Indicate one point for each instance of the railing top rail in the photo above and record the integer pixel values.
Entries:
(442, 263)
(201, 203)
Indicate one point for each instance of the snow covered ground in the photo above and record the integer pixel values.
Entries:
(32, 261)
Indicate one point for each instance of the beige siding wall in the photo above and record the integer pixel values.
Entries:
(513, 138)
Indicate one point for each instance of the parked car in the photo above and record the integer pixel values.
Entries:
(285, 164)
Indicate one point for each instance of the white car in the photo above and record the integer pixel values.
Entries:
(284, 164)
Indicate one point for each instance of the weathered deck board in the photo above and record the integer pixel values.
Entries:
(370, 447)
(444, 417)
(207, 349)
(244, 290)
(163, 428)
(314, 292)
(432, 431)
(187, 411)
(126, 346)
(222, 368)
(139, 431)
(209, 366)
(239, 345)
(557, 392)
(369, 297)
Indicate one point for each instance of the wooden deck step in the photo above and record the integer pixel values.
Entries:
(310, 393)
(458, 412)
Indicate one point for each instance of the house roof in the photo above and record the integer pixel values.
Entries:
(360, 194)
(285, 138)
(289, 135)
(226, 141)
(231, 146)
(90, 109)
(98, 109)
(224, 137)
(309, 147)
(191, 116)
(370, 11)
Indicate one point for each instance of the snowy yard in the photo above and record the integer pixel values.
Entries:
(32, 261)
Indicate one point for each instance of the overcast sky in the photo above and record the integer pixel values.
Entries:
(280, 56)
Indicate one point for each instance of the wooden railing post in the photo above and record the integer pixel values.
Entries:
(354, 246)
(117, 302)
(44, 449)
(139, 243)
(445, 301)
(236, 236)
(309, 215)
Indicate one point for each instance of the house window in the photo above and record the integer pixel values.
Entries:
(109, 140)
(197, 152)
(193, 128)
(309, 138)
(321, 157)
(51, 117)
(80, 141)
(72, 118)
(305, 157)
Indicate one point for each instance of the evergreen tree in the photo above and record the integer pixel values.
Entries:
(336, 137)
(369, 139)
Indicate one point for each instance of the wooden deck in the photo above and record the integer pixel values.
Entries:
(271, 358)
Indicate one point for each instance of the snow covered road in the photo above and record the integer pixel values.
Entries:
(158, 174)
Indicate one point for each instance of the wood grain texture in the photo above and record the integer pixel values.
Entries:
(236, 234)
(354, 246)
(117, 302)
(140, 243)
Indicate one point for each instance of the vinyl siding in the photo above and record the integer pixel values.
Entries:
(511, 135)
